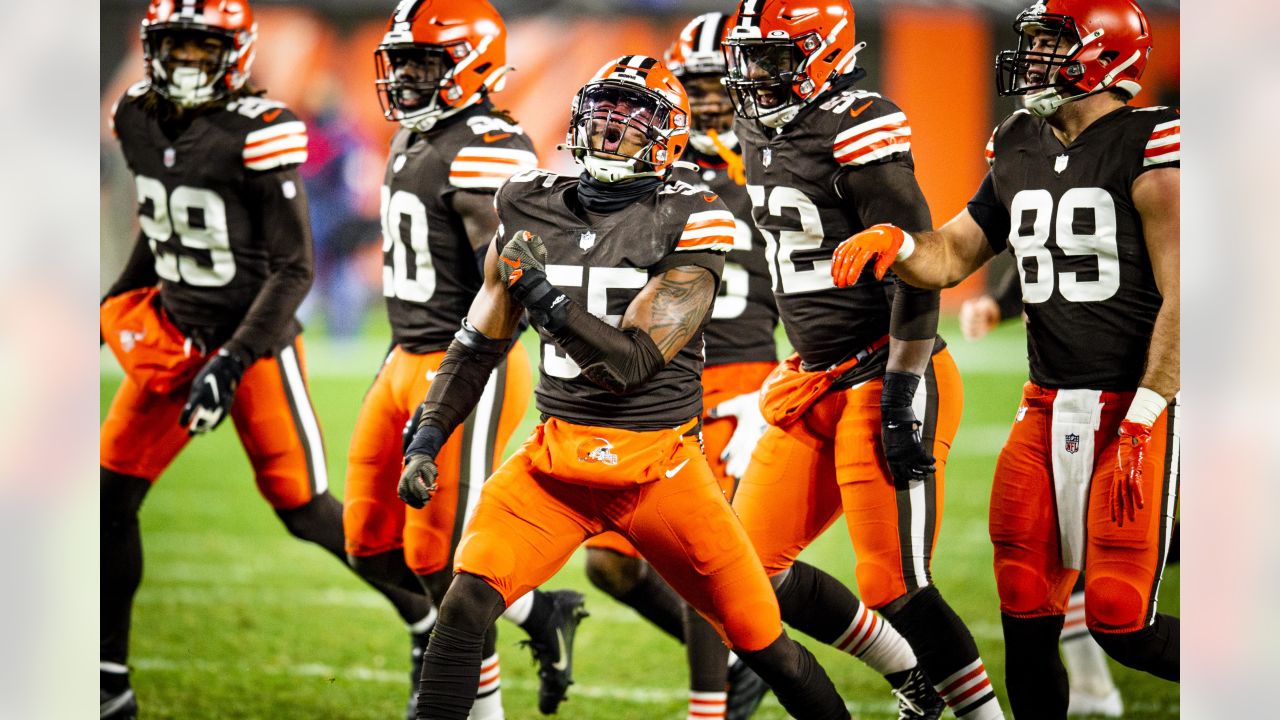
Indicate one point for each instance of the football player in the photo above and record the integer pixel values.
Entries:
(202, 317)
(436, 65)
(740, 353)
(863, 416)
(1083, 190)
(618, 269)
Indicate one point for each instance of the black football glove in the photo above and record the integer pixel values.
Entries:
(212, 392)
(522, 267)
(900, 430)
(418, 479)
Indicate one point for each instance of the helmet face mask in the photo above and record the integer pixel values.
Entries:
(197, 56)
(765, 77)
(1047, 45)
(414, 78)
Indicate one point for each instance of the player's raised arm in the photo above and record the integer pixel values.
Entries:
(935, 259)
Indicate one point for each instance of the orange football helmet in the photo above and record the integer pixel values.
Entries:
(697, 58)
(197, 52)
(632, 102)
(1094, 45)
(439, 57)
(784, 53)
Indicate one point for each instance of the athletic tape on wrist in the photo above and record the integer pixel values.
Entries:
(1146, 407)
(908, 247)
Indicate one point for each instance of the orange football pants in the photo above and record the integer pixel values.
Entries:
(374, 518)
(830, 461)
(528, 524)
(719, 383)
(1123, 565)
(272, 414)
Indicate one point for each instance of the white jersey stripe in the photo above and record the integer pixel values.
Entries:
(706, 215)
(288, 142)
(296, 157)
(272, 131)
(1173, 139)
(880, 152)
(856, 130)
(504, 153)
(306, 415)
(486, 166)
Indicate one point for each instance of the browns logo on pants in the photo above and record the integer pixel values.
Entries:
(830, 461)
(719, 383)
(529, 523)
(272, 414)
(1122, 565)
(374, 518)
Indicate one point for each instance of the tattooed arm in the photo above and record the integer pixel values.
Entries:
(672, 307)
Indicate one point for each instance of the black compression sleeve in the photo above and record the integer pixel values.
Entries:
(619, 361)
(139, 271)
(1007, 291)
(915, 312)
(991, 216)
(457, 387)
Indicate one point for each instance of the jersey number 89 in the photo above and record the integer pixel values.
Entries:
(1100, 243)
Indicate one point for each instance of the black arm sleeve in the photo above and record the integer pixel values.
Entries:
(888, 193)
(139, 271)
(991, 216)
(1007, 291)
(619, 361)
(286, 231)
(457, 387)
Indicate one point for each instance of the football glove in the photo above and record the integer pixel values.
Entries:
(522, 267)
(883, 243)
(523, 253)
(751, 426)
(900, 430)
(418, 479)
(1131, 451)
(212, 391)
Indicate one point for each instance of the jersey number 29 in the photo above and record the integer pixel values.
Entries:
(199, 219)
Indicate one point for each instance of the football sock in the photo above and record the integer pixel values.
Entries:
(540, 618)
(821, 607)
(798, 681)
(518, 611)
(320, 521)
(1153, 649)
(1086, 663)
(1035, 677)
(949, 655)
(426, 624)
(489, 690)
(451, 668)
(113, 677)
(708, 658)
(707, 705)
(120, 560)
(656, 602)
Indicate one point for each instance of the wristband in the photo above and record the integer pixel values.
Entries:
(908, 247)
(899, 389)
(1146, 407)
(427, 441)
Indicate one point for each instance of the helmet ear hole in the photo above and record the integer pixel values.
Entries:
(1108, 57)
(831, 56)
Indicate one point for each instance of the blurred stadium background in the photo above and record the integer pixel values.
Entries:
(237, 620)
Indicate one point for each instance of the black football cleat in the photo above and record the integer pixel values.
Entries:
(417, 652)
(746, 690)
(555, 662)
(917, 700)
(118, 706)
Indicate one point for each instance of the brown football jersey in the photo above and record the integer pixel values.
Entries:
(429, 272)
(211, 239)
(745, 315)
(602, 265)
(792, 177)
(1087, 286)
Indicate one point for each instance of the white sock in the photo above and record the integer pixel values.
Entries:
(969, 695)
(875, 642)
(1086, 662)
(519, 609)
(489, 692)
(426, 624)
(707, 705)
(114, 668)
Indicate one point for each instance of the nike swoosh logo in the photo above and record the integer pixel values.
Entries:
(513, 263)
(213, 386)
(858, 111)
(675, 470)
(270, 115)
(490, 137)
(563, 663)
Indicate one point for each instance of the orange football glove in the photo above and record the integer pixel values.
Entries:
(1126, 494)
(881, 242)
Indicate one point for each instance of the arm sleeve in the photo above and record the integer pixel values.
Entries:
(888, 193)
(619, 361)
(986, 210)
(139, 271)
(1007, 291)
(281, 206)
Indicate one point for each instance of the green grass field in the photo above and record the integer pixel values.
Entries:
(236, 619)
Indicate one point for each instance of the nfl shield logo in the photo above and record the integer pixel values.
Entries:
(1072, 444)
(169, 157)
(766, 156)
(586, 240)
(1060, 163)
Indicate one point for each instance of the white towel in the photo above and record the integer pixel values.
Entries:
(1076, 414)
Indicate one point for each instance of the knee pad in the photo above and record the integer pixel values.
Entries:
(877, 584)
(371, 527)
(1113, 604)
(121, 498)
(471, 605)
(318, 521)
(614, 573)
(1022, 590)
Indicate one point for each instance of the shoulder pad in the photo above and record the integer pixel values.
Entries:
(1164, 142)
(275, 138)
(709, 226)
(492, 152)
(870, 129)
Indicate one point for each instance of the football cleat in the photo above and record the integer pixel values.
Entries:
(119, 706)
(1086, 703)
(917, 699)
(746, 690)
(555, 662)
(417, 652)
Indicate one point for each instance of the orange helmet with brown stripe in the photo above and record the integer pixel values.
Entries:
(630, 120)
(198, 51)
(439, 57)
